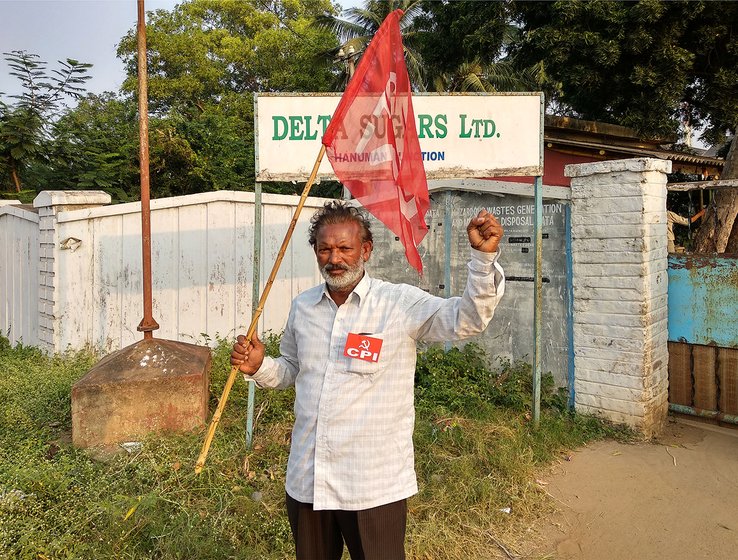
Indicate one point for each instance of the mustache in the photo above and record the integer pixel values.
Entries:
(330, 267)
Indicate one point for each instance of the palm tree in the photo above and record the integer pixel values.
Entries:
(359, 26)
(498, 76)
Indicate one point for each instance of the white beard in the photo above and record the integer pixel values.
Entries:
(352, 275)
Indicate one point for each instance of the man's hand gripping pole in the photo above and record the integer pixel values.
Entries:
(255, 319)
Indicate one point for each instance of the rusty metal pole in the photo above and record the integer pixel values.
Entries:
(147, 323)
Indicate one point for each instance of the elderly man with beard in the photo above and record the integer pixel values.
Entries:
(349, 348)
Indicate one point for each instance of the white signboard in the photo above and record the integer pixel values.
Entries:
(461, 135)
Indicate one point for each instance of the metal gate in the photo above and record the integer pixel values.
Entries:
(703, 335)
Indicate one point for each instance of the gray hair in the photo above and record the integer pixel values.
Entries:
(339, 212)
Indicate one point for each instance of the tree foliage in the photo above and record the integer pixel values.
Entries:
(358, 25)
(465, 46)
(206, 58)
(204, 49)
(464, 31)
(651, 65)
(24, 125)
(95, 146)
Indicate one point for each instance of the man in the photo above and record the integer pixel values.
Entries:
(349, 347)
(674, 218)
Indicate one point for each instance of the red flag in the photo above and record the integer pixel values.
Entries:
(372, 143)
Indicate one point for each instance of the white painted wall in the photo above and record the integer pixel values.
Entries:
(202, 266)
(19, 267)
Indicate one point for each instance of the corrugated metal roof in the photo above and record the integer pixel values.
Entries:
(681, 157)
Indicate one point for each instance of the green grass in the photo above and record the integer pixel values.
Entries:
(476, 453)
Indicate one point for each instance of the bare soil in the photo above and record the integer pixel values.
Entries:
(675, 497)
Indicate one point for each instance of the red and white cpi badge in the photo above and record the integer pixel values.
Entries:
(362, 347)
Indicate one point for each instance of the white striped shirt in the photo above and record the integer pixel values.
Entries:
(352, 445)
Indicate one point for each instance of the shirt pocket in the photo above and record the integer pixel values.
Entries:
(366, 367)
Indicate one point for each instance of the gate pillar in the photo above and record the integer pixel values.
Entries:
(619, 272)
(50, 204)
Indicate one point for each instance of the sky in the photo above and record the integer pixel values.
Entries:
(85, 30)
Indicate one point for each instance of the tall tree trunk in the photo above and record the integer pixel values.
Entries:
(719, 230)
(732, 246)
(16, 180)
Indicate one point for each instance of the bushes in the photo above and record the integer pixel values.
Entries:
(461, 381)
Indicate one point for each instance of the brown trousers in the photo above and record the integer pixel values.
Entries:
(370, 534)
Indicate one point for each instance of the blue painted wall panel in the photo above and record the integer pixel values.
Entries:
(703, 299)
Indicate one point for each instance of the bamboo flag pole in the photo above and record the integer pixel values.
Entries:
(255, 318)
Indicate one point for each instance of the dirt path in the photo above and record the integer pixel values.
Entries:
(676, 498)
